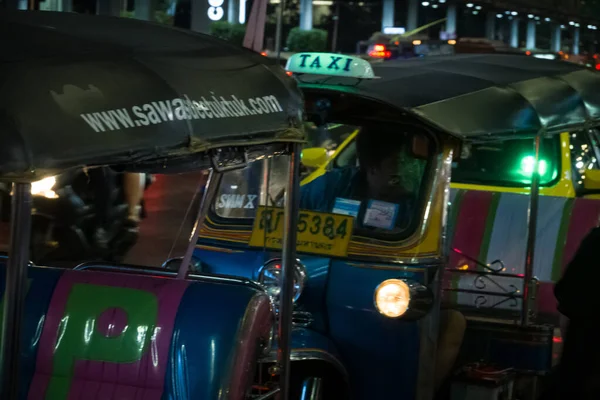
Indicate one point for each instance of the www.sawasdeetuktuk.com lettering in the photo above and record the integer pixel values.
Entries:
(183, 108)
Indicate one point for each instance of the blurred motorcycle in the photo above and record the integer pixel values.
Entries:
(64, 223)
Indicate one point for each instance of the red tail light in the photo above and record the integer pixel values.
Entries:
(597, 67)
(380, 51)
(289, 73)
(263, 53)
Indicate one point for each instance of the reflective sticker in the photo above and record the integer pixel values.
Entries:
(237, 201)
(346, 207)
(381, 214)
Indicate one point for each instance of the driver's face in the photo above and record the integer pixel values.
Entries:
(385, 179)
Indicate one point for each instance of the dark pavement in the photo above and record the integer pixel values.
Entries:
(167, 202)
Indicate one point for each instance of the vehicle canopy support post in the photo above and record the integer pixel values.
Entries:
(292, 204)
(528, 282)
(210, 188)
(15, 289)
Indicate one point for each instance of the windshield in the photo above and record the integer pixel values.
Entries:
(382, 190)
(507, 163)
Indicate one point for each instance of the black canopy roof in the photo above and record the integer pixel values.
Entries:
(484, 94)
(90, 90)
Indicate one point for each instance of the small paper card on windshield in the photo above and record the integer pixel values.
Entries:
(381, 214)
(346, 207)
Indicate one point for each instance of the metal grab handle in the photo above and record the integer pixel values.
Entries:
(486, 266)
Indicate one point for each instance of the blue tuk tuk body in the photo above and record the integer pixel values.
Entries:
(336, 320)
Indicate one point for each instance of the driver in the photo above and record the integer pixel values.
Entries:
(384, 173)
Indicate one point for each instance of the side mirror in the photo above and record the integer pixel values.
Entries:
(173, 264)
(314, 157)
(591, 183)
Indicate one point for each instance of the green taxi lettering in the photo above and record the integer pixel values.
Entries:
(348, 63)
(303, 57)
(80, 337)
(334, 63)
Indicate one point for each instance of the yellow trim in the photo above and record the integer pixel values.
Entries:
(323, 168)
(563, 188)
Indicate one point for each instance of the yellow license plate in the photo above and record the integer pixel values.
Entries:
(318, 233)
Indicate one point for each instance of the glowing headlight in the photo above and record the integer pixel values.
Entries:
(44, 188)
(395, 298)
(270, 275)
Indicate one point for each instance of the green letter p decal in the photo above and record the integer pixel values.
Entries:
(101, 324)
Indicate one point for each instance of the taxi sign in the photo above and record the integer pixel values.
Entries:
(318, 233)
(330, 64)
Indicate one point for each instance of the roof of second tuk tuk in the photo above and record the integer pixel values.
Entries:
(482, 95)
(89, 90)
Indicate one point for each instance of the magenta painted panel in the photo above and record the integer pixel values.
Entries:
(106, 336)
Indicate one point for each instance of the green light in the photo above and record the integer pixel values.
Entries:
(528, 163)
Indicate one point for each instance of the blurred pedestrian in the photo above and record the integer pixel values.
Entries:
(578, 374)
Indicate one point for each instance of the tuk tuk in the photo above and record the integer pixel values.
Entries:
(92, 91)
(495, 178)
(367, 281)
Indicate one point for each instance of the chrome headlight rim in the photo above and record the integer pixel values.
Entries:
(300, 275)
(420, 299)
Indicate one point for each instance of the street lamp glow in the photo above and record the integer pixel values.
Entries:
(425, 3)
(537, 18)
(434, 6)
(499, 15)
(442, 1)
(514, 13)
(530, 16)
(547, 19)
(469, 5)
(576, 24)
(475, 12)
(571, 23)
(478, 7)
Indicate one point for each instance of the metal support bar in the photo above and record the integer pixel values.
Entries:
(286, 306)
(14, 291)
(210, 188)
(312, 389)
(531, 234)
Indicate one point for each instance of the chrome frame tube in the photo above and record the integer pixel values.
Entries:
(286, 306)
(531, 235)
(15, 290)
(210, 188)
